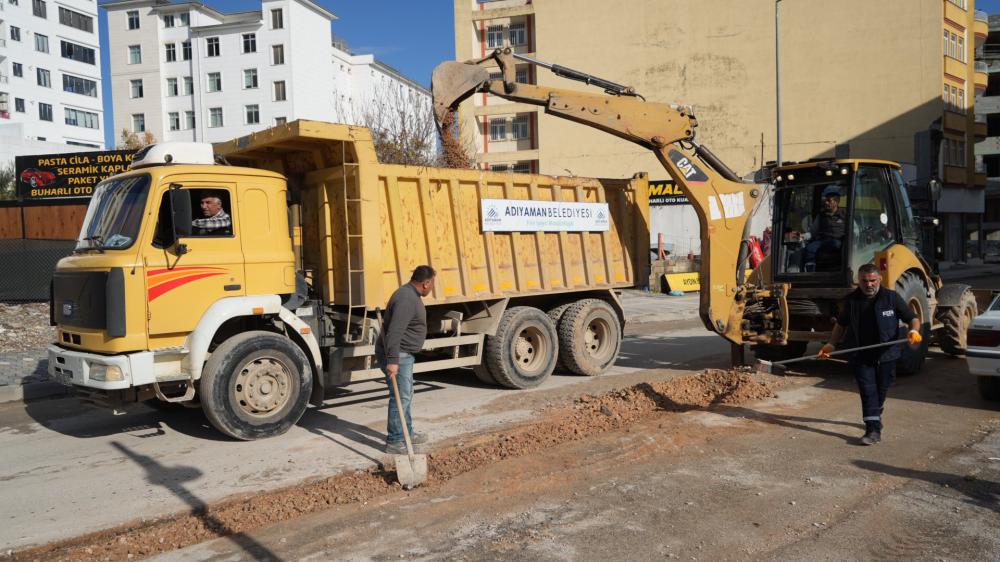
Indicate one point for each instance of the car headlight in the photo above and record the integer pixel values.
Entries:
(106, 373)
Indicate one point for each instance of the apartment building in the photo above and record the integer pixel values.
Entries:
(50, 77)
(865, 79)
(988, 150)
(366, 90)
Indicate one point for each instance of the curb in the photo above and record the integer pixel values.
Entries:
(33, 391)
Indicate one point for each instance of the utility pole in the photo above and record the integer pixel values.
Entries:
(777, 74)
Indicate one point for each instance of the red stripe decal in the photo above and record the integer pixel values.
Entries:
(173, 284)
(153, 272)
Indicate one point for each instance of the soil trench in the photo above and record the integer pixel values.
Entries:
(585, 417)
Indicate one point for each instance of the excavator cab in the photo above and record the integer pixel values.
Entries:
(833, 216)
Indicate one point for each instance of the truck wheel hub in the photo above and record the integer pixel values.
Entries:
(529, 348)
(262, 386)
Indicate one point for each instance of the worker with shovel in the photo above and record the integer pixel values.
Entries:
(873, 313)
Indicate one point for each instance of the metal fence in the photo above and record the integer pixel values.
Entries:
(26, 267)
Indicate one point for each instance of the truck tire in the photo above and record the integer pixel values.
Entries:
(255, 385)
(483, 374)
(590, 337)
(556, 315)
(914, 293)
(956, 319)
(522, 354)
(989, 388)
(791, 350)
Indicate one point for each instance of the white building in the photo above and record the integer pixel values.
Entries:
(50, 75)
(186, 71)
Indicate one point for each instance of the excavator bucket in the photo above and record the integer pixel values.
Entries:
(453, 82)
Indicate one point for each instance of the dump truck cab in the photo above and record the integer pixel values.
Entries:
(147, 263)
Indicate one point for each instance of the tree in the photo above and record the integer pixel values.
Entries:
(8, 182)
(130, 140)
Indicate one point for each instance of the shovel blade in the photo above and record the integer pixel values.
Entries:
(411, 475)
(768, 367)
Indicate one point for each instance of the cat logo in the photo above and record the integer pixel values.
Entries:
(691, 171)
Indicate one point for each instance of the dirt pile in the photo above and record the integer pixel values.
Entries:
(453, 154)
(587, 416)
(24, 327)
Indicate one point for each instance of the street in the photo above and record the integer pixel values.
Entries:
(702, 473)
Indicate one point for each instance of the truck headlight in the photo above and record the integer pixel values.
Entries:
(106, 373)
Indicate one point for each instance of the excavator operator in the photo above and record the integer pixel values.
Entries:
(826, 231)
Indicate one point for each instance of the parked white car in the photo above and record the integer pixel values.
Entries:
(983, 350)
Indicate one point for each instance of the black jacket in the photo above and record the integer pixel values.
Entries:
(889, 311)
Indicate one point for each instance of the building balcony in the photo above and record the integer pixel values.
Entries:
(979, 130)
(979, 180)
(982, 76)
(955, 68)
(954, 121)
(956, 176)
(987, 105)
(981, 27)
(990, 146)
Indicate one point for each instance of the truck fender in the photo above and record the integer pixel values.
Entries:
(302, 329)
(951, 294)
(222, 310)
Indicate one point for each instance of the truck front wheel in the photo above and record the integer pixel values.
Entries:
(255, 385)
(522, 354)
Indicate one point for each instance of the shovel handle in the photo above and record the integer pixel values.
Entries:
(842, 351)
(402, 419)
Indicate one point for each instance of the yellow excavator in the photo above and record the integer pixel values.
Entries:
(791, 297)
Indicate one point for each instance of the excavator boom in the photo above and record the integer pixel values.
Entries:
(722, 201)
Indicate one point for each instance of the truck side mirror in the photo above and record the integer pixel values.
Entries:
(180, 217)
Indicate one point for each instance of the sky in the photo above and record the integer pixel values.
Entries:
(411, 36)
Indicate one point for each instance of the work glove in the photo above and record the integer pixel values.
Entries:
(807, 236)
(914, 337)
(825, 351)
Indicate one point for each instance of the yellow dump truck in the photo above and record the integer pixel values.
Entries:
(257, 311)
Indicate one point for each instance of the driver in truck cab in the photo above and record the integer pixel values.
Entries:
(826, 231)
(215, 221)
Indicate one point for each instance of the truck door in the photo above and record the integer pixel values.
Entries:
(179, 288)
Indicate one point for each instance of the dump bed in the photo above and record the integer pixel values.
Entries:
(366, 225)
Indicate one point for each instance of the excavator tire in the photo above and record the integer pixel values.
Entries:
(523, 352)
(914, 293)
(792, 350)
(590, 337)
(956, 319)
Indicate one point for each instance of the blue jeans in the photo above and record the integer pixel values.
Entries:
(815, 246)
(404, 378)
(873, 381)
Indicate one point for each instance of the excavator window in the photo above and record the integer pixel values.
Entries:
(874, 219)
(813, 225)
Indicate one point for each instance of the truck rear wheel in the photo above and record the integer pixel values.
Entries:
(522, 354)
(911, 288)
(556, 315)
(590, 337)
(989, 388)
(255, 385)
(956, 319)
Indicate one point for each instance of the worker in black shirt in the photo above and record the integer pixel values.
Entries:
(872, 313)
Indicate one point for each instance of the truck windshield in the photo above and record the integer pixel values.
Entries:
(115, 214)
(813, 225)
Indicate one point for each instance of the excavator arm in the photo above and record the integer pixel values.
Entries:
(722, 201)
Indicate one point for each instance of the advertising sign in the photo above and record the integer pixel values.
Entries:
(666, 193)
(66, 176)
(518, 215)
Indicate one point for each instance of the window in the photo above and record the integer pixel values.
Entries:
(279, 90)
(214, 81)
(172, 89)
(499, 167)
(249, 42)
(521, 74)
(250, 78)
(186, 50)
(174, 120)
(873, 229)
(168, 20)
(76, 20)
(18, 69)
(277, 54)
(217, 201)
(189, 120)
(946, 35)
(139, 122)
(188, 86)
(135, 88)
(85, 119)
(521, 168)
(43, 77)
(277, 19)
(215, 117)
(494, 36)
(171, 52)
(961, 49)
(76, 85)
(945, 96)
(19, 105)
(954, 46)
(212, 45)
(38, 8)
(45, 111)
(498, 129)
(78, 52)
(961, 100)
(520, 127)
(134, 54)
(185, 19)
(954, 98)
(280, 120)
(41, 43)
(253, 114)
(517, 34)
(15, 33)
(133, 19)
